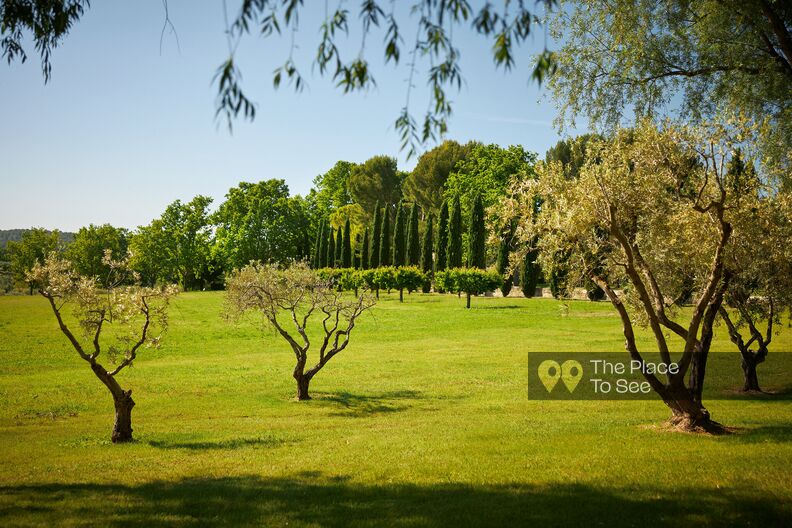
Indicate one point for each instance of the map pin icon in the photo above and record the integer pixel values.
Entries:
(571, 373)
(549, 372)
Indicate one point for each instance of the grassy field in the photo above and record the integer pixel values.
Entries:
(423, 421)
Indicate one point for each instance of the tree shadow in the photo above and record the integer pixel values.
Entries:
(231, 443)
(311, 499)
(769, 433)
(358, 405)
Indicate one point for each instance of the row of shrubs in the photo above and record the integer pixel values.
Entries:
(470, 281)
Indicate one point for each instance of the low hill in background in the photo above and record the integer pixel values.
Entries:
(7, 235)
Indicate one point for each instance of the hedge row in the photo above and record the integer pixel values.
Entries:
(471, 281)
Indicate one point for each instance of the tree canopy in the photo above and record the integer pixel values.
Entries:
(670, 58)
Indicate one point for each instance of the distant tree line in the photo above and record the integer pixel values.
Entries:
(439, 216)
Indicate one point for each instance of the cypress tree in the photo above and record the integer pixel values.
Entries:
(385, 239)
(374, 255)
(477, 255)
(529, 273)
(426, 255)
(399, 239)
(320, 238)
(339, 246)
(455, 235)
(330, 258)
(413, 241)
(346, 249)
(442, 239)
(364, 250)
(502, 264)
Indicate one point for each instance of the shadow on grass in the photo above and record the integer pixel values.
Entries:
(232, 443)
(368, 404)
(317, 501)
(782, 394)
(770, 433)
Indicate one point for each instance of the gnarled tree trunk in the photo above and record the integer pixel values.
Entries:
(302, 387)
(687, 412)
(122, 428)
(749, 362)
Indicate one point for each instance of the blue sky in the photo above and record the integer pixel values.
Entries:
(122, 130)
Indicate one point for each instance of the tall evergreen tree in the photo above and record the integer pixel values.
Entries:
(399, 237)
(346, 249)
(413, 240)
(374, 255)
(502, 265)
(477, 236)
(426, 254)
(385, 239)
(364, 250)
(529, 273)
(442, 239)
(330, 258)
(339, 247)
(319, 246)
(455, 235)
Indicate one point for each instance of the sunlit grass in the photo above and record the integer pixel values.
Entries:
(423, 420)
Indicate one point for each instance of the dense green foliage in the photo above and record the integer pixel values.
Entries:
(413, 238)
(426, 183)
(682, 59)
(330, 191)
(409, 278)
(487, 172)
(89, 245)
(502, 260)
(385, 239)
(477, 236)
(427, 248)
(441, 251)
(176, 248)
(375, 180)
(346, 249)
(260, 221)
(376, 237)
(400, 237)
(471, 281)
(454, 251)
(364, 250)
(529, 273)
(34, 246)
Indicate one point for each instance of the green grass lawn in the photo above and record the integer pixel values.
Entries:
(423, 421)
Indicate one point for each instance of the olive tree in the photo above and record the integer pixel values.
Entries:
(295, 294)
(760, 264)
(118, 316)
(651, 210)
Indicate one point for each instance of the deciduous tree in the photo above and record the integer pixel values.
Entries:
(138, 316)
(645, 207)
(288, 298)
(33, 247)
